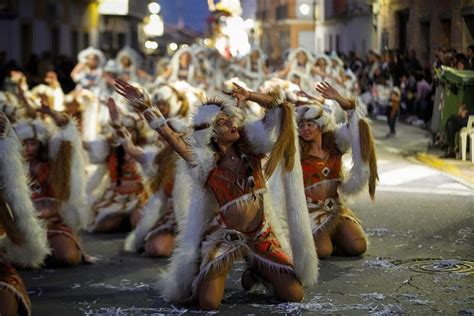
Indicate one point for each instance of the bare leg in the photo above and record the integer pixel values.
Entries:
(8, 303)
(135, 217)
(286, 286)
(323, 245)
(111, 224)
(65, 252)
(349, 238)
(161, 245)
(211, 291)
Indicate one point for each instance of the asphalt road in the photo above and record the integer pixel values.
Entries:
(420, 259)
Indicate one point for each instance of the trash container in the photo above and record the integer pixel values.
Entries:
(458, 86)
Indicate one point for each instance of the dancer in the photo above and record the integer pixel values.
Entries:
(87, 74)
(228, 218)
(334, 225)
(57, 177)
(23, 239)
(121, 193)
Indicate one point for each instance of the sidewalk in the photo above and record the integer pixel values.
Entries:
(414, 142)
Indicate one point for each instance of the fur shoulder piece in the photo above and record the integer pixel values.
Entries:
(357, 133)
(15, 192)
(68, 175)
(175, 284)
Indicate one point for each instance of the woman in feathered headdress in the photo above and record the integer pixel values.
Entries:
(23, 239)
(230, 215)
(56, 169)
(88, 72)
(334, 225)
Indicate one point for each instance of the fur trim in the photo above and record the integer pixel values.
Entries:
(360, 171)
(287, 189)
(151, 213)
(82, 56)
(15, 191)
(263, 133)
(175, 65)
(368, 154)
(97, 184)
(36, 129)
(75, 210)
(99, 151)
(315, 113)
(175, 283)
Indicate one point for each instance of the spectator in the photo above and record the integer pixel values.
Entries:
(423, 98)
(453, 126)
(470, 57)
(392, 111)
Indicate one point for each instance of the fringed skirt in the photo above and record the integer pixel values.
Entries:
(165, 225)
(221, 246)
(58, 228)
(11, 281)
(326, 214)
(113, 203)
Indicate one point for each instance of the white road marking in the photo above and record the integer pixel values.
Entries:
(404, 175)
(434, 191)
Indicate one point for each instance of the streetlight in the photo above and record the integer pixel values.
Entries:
(154, 26)
(304, 9)
(151, 45)
(173, 46)
(154, 8)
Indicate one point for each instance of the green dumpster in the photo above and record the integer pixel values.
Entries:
(458, 87)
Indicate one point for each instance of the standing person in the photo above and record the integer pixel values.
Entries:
(392, 111)
(23, 239)
(335, 227)
(228, 218)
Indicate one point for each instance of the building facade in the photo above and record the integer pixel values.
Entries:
(344, 25)
(65, 27)
(424, 25)
(284, 24)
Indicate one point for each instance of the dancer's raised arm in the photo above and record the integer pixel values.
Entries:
(155, 119)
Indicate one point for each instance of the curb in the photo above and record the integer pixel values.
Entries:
(439, 164)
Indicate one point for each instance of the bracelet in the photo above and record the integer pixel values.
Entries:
(155, 121)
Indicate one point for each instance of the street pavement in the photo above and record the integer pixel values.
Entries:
(420, 259)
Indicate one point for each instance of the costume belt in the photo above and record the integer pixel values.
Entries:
(235, 236)
(329, 204)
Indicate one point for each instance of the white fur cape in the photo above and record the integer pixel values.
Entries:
(175, 283)
(75, 210)
(157, 205)
(15, 191)
(348, 138)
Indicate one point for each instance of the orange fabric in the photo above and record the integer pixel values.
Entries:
(129, 169)
(228, 184)
(9, 276)
(313, 169)
(40, 187)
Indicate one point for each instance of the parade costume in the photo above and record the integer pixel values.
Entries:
(57, 182)
(325, 178)
(117, 167)
(206, 244)
(23, 238)
(90, 78)
(252, 72)
(303, 72)
(182, 74)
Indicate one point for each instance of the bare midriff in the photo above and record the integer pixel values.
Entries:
(322, 177)
(241, 208)
(323, 190)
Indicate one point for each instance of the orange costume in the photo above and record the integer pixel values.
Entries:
(44, 200)
(114, 201)
(320, 178)
(222, 245)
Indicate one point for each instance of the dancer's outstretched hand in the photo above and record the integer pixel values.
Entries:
(327, 91)
(113, 110)
(132, 94)
(240, 93)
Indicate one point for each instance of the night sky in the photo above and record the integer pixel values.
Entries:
(194, 13)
